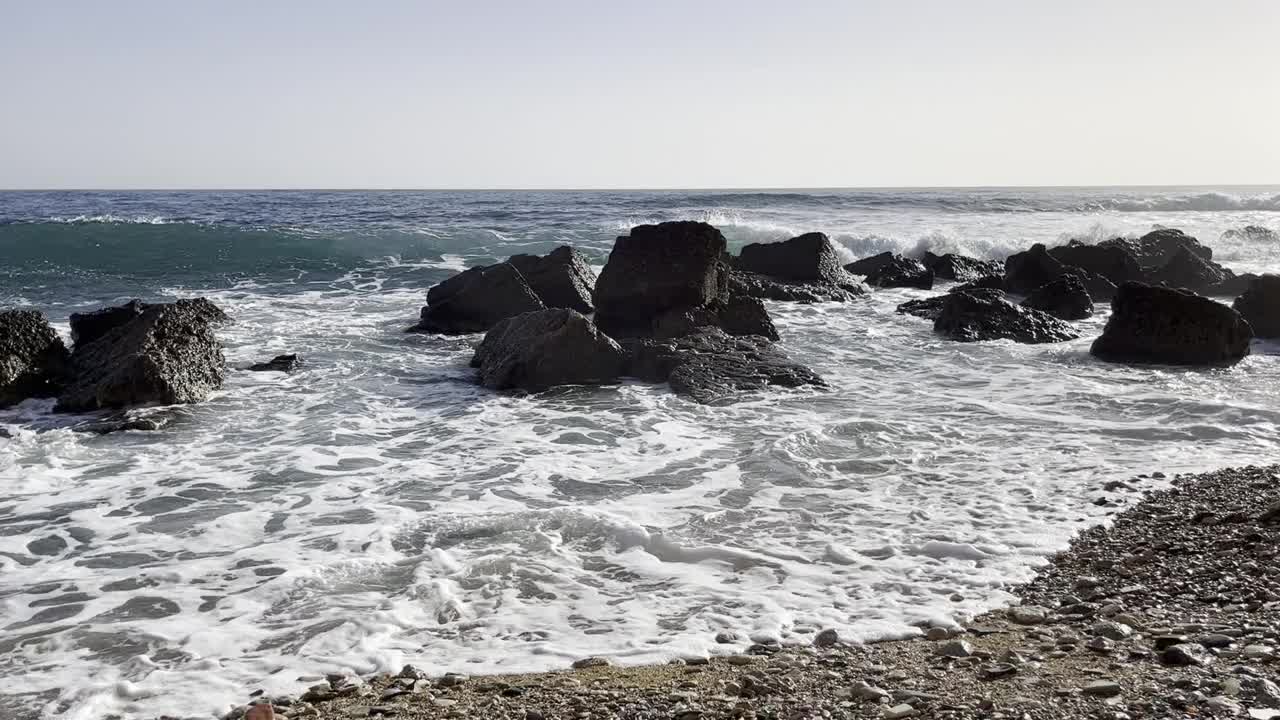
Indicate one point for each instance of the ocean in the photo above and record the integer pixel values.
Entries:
(377, 508)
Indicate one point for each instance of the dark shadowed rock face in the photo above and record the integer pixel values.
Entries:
(1110, 261)
(1158, 247)
(902, 272)
(970, 318)
(986, 282)
(1030, 269)
(87, 327)
(279, 363)
(1260, 305)
(475, 300)
(656, 269)
(749, 284)
(1065, 298)
(868, 265)
(712, 367)
(930, 308)
(32, 357)
(168, 354)
(1232, 286)
(1170, 326)
(562, 279)
(809, 258)
(1190, 271)
(539, 350)
(961, 268)
(738, 315)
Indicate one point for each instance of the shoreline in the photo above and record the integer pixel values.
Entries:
(1170, 610)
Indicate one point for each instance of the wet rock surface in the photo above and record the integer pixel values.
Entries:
(1167, 326)
(1260, 306)
(930, 308)
(1065, 298)
(968, 317)
(961, 268)
(544, 349)
(279, 363)
(902, 272)
(33, 358)
(476, 300)
(562, 278)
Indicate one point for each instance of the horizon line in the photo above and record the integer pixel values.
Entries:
(707, 188)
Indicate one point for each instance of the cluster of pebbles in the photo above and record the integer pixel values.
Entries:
(1173, 611)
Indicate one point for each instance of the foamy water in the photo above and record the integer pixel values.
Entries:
(377, 508)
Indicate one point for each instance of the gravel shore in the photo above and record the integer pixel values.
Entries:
(1171, 612)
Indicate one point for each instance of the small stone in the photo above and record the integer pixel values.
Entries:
(261, 711)
(444, 702)
(955, 649)
(740, 660)
(1185, 654)
(1101, 645)
(998, 670)
(728, 637)
(454, 679)
(1029, 615)
(937, 633)
(1258, 652)
(1224, 706)
(826, 638)
(1102, 688)
(411, 672)
(591, 662)
(1111, 630)
(1215, 640)
(899, 711)
(866, 691)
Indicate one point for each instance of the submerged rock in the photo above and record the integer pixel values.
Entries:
(562, 278)
(32, 357)
(868, 265)
(1260, 305)
(540, 350)
(168, 354)
(476, 300)
(765, 288)
(1065, 298)
(712, 366)
(279, 363)
(930, 308)
(969, 318)
(961, 268)
(902, 272)
(1170, 326)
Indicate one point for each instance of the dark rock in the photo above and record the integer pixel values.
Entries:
(902, 272)
(1260, 305)
(1232, 286)
(166, 355)
(1189, 271)
(1169, 326)
(1065, 298)
(1185, 654)
(87, 327)
(656, 269)
(1158, 247)
(961, 268)
(476, 300)
(561, 279)
(986, 282)
(809, 258)
(868, 265)
(279, 363)
(712, 366)
(765, 288)
(32, 357)
(111, 425)
(1252, 233)
(930, 308)
(1113, 262)
(742, 315)
(543, 349)
(1100, 289)
(1030, 269)
(969, 318)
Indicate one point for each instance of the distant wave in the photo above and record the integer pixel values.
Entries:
(1202, 202)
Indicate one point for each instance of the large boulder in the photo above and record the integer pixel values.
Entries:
(1188, 270)
(1260, 306)
(930, 308)
(167, 354)
(562, 279)
(32, 357)
(748, 284)
(739, 315)
(547, 348)
(1110, 261)
(657, 269)
(1030, 269)
(1065, 298)
(1173, 327)
(961, 268)
(711, 366)
(968, 317)
(809, 258)
(89, 326)
(1158, 247)
(868, 265)
(902, 272)
(986, 282)
(476, 300)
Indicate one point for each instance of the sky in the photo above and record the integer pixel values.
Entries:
(615, 94)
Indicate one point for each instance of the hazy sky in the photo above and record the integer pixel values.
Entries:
(616, 93)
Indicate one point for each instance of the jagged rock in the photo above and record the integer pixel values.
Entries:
(87, 327)
(1065, 298)
(809, 258)
(562, 278)
(1260, 305)
(476, 300)
(1232, 286)
(868, 265)
(279, 363)
(930, 308)
(961, 268)
(1030, 269)
(758, 286)
(711, 366)
(657, 269)
(986, 282)
(32, 357)
(539, 350)
(167, 355)
(1252, 233)
(1156, 248)
(1100, 289)
(111, 425)
(1113, 262)
(738, 315)
(1189, 271)
(902, 272)
(1170, 326)
(968, 318)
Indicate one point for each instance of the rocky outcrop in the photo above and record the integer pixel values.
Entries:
(868, 265)
(1034, 268)
(986, 282)
(476, 300)
(1170, 326)
(961, 268)
(739, 315)
(1065, 298)
(1158, 247)
(1111, 262)
(279, 363)
(1190, 271)
(902, 272)
(87, 327)
(562, 278)
(967, 317)
(657, 269)
(547, 348)
(712, 367)
(1260, 306)
(809, 258)
(930, 308)
(167, 354)
(32, 357)
(765, 288)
